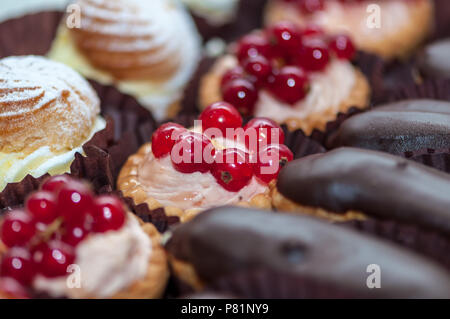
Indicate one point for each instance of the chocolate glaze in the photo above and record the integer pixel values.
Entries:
(434, 59)
(397, 127)
(227, 240)
(375, 183)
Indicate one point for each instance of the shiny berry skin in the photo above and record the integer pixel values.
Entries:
(164, 138)
(291, 84)
(108, 214)
(74, 234)
(193, 152)
(55, 259)
(220, 115)
(232, 169)
(343, 47)
(285, 36)
(17, 229)
(17, 264)
(267, 132)
(75, 200)
(54, 183)
(259, 67)
(311, 6)
(271, 160)
(314, 55)
(252, 45)
(42, 206)
(242, 94)
(232, 74)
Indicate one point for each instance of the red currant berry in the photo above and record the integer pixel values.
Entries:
(75, 200)
(242, 94)
(343, 47)
(109, 214)
(266, 132)
(54, 183)
(271, 160)
(232, 169)
(193, 152)
(56, 257)
(312, 30)
(258, 67)
(286, 36)
(17, 229)
(42, 206)
(17, 264)
(313, 55)
(74, 234)
(220, 115)
(252, 45)
(232, 74)
(311, 6)
(164, 138)
(291, 84)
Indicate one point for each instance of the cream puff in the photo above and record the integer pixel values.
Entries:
(72, 244)
(299, 77)
(147, 49)
(389, 28)
(215, 163)
(48, 111)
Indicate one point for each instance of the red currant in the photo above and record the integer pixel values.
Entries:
(232, 169)
(312, 30)
(271, 160)
(220, 115)
(193, 152)
(266, 132)
(54, 183)
(314, 55)
(290, 85)
(17, 264)
(56, 257)
(109, 214)
(242, 94)
(343, 47)
(75, 200)
(74, 234)
(42, 206)
(164, 138)
(286, 36)
(232, 74)
(17, 229)
(252, 45)
(258, 67)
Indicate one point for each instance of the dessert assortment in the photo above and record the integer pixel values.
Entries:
(133, 150)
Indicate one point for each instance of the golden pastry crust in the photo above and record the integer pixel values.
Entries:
(130, 186)
(284, 204)
(185, 272)
(133, 55)
(359, 97)
(399, 44)
(44, 103)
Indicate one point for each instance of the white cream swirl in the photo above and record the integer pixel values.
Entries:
(216, 12)
(108, 263)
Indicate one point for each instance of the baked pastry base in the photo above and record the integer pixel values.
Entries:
(359, 97)
(398, 45)
(128, 183)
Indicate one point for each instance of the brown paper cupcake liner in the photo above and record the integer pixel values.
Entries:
(428, 242)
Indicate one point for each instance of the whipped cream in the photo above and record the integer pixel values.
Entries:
(216, 12)
(108, 263)
(171, 25)
(16, 166)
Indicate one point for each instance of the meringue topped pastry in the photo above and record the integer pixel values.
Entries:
(390, 28)
(48, 111)
(148, 49)
(227, 171)
(76, 245)
(297, 76)
(216, 12)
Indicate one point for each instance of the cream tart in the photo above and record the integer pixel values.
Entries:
(389, 28)
(300, 77)
(147, 49)
(215, 163)
(66, 242)
(48, 111)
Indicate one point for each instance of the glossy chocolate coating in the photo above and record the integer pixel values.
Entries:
(227, 240)
(398, 127)
(434, 61)
(375, 183)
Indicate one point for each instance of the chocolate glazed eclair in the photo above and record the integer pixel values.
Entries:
(321, 259)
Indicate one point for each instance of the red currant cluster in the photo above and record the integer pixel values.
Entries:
(233, 168)
(43, 236)
(279, 59)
